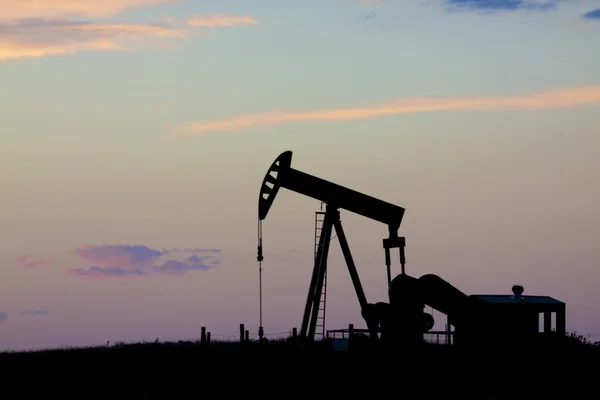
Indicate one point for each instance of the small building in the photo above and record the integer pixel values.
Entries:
(520, 315)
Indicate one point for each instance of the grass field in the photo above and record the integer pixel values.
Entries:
(194, 370)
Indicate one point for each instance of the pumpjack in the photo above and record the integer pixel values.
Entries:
(335, 197)
(401, 322)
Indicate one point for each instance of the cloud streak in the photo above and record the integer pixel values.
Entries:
(106, 272)
(3, 316)
(28, 261)
(557, 98)
(32, 312)
(21, 9)
(492, 6)
(38, 38)
(192, 263)
(122, 257)
(592, 15)
(38, 28)
(139, 261)
(220, 20)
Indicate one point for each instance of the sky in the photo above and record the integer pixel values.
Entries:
(135, 134)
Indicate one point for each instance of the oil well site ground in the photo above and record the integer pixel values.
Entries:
(191, 370)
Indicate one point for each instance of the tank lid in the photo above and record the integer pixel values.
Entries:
(517, 291)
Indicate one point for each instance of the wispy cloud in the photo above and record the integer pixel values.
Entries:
(524, 102)
(28, 260)
(220, 20)
(32, 312)
(37, 28)
(138, 261)
(17, 9)
(191, 263)
(3, 316)
(105, 272)
(193, 250)
(123, 257)
(38, 38)
(370, 15)
(491, 6)
(594, 14)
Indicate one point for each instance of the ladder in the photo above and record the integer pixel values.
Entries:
(319, 217)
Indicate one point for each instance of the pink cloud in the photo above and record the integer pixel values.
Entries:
(28, 261)
(39, 28)
(39, 38)
(221, 20)
(137, 261)
(122, 257)
(536, 101)
(194, 262)
(101, 272)
(17, 9)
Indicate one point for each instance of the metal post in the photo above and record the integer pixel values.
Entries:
(388, 263)
(360, 293)
(350, 335)
(402, 259)
(561, 324)
(339, 230)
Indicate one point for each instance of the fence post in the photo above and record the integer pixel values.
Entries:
(350, 335)
(242, 330)
(207, 337)
(203, 335)
(294, 334)
(247, 336)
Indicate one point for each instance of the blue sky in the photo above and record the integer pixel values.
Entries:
(132, 130)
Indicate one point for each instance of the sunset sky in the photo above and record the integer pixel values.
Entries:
(135, 134)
